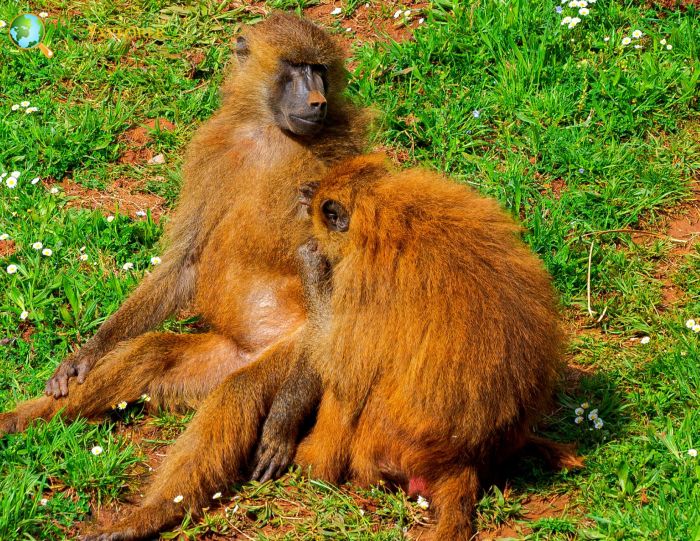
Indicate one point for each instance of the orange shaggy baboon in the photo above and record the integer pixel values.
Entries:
(433, 333)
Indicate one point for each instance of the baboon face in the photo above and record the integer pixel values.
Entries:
(299, 101)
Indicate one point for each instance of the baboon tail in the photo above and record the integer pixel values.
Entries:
(558, 455)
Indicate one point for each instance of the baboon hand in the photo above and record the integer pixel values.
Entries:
(274, 455)
(76, 366)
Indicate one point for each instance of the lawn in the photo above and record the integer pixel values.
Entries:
(587, 133)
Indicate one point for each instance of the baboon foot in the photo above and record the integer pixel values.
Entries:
(8, 423)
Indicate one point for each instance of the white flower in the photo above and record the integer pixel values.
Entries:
(24, 103)
(593, 415)
(11, 269)
(584, 11)
(578, 420)
(128, 266)
(83, 257)
(43, 502)
(37, 245)
(48, 252)
(43, 15)
(606, 39)
(110, 218)
(573, 4)
(582, 4)
(97, 450)
(216, 496)
(565, 20)
(5, 236)
(337, 11)
(637, 46)
(178, 498)
(637, 34)
(693, 452)
(24, 315)
(626, 41)
(155, 260)
(15, 174)
(585, 405)
(476, 113)
(36, 180)
(578, 411)
(574, 22)
(54, 190)
(407, 13)
(663, 42)
(3, 24)
(348, 29)
(598, 424)
(422, 502)
(145, 397)
(11, 182)
(421, 20)
(397, 14)
(2, 175)
(16, 105)
(669, 47)
(140, 213)
(696, 328)
(645, 340)
(31, 110)
(122, 405)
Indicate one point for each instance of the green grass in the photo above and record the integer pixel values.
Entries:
(574, 135)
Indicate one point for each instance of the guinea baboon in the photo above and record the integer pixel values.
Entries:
(432, 342)
(230, 245)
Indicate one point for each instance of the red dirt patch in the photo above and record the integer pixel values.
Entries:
(123, 196)
(136, 140)
(7, 248)
(534, 508)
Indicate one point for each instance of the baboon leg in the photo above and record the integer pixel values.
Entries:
(326, 450)
(175, 370)
(213, 452)
(455, 498)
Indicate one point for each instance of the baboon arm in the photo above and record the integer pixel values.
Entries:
(296, 400)
(160, 294)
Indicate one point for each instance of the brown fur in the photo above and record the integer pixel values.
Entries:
(230, 254)
(443, 345)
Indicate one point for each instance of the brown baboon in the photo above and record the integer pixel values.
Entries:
(432, 342)
(231, 241)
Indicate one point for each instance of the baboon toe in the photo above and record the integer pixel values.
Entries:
(8, 423)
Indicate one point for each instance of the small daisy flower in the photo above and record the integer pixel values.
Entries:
(645, 340)
(216, 496)
(421, 20)
(54, 190)
(637, 46)
(2, 175)
(16, 105)
(585, 405)
(598, 423)
(24, 103)
(696, 328)
(606, 39)
(96, 450)
(348, 29)
(37, 245)
(24, 315)
(140, 213)
(593, 415)
(422, 502)
(156, 260)
(578, 420)
(573, 4)
(43, 15)
(5, 236)
(574, 22)
(669, 47)
(36, 180)
(337, 11)
(578, 411)
(637, 34)
(476, 113)
(663, 42)
(31, 110)
(84, 257)
(626, 40)
(582, 4)
(110, 218)
(48, 252)
(3, 24)
(178, 498)
(145, 397)
(128, 266)
(11, 182)
(397, 14)
(122, 405)
(11, 269)
(565, 20)
(43, 502)
(584, 11)
(693, 452)
(407, 13)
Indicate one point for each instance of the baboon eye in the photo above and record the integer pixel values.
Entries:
(335, 215)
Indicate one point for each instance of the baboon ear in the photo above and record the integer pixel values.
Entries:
(242, 50)
(335, 215)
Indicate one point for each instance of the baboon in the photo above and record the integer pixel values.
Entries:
(432, 342)
(230, 245)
